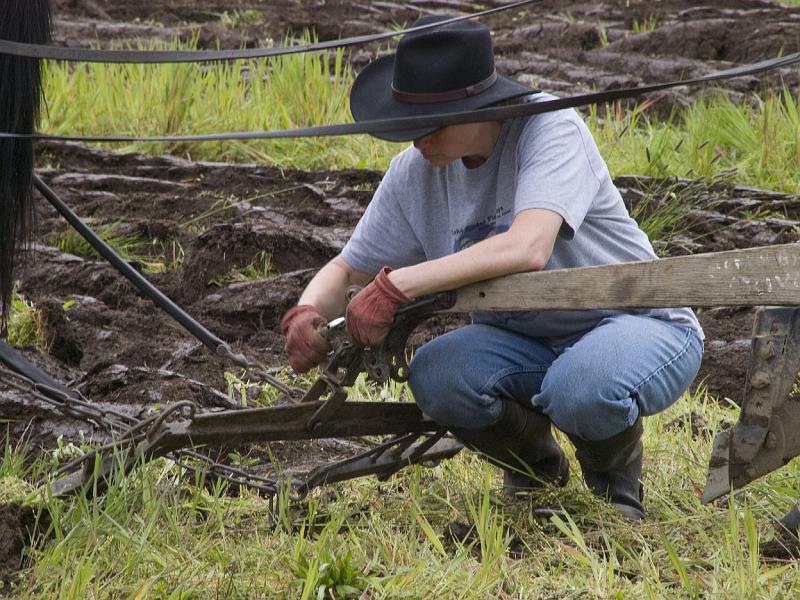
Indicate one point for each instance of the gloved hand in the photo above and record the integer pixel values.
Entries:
(305, 345)
(371, 312)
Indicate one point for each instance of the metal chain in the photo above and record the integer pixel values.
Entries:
(75, 406)
(129, 430)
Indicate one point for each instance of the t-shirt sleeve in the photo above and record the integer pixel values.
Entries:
(558, 170)
(383, 235)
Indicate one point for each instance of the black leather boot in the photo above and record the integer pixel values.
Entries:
(521, 444)
(612, 468)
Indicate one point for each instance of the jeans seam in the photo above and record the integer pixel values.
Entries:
(681, 352)
(494, 379)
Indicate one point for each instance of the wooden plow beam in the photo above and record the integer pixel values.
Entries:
(768, 275)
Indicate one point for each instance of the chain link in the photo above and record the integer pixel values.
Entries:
(128, 430)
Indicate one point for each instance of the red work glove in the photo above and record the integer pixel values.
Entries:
(304, 343)
(371, 312)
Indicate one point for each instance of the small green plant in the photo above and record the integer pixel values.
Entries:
(646, 24)
(245, 392)
(242, 460)
(258, 268)
(603, 35)
(129, 247)
(492, 534)
(153, 256)
(331, 574)
(26, 324)
(167, 255)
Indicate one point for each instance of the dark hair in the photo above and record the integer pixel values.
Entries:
(20, 100)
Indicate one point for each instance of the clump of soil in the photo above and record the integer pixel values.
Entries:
(18, 526)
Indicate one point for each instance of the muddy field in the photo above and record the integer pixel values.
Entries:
(208, 219)
(105, 340)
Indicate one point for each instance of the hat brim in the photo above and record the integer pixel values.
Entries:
(371, 98)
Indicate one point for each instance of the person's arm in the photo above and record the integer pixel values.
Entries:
(526, 246)
(326, 291)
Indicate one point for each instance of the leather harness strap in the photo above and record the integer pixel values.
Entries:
(45, 51)
(497, 113)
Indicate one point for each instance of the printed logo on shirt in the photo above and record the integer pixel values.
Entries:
(472, 234)
(477, 233)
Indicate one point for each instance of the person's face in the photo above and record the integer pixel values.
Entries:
(454, 142)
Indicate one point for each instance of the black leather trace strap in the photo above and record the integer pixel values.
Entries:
(46, 51)
(498, 113)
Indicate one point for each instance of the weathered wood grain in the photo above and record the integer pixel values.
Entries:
(767, 275)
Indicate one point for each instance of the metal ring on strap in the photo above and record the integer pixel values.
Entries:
(448, 96)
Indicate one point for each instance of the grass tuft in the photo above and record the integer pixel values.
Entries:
(759, 140)
(759, 143)
(26, 324)
(257, 269)
(153, 256)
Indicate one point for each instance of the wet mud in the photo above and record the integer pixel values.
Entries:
(18, 526)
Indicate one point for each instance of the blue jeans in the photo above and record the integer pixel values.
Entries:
(594, 388)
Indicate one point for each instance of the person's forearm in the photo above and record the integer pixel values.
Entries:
(482, 261)
(522, 248)
(326, 291)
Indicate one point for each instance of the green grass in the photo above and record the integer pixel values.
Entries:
(759, 140)
(153, 535)
(287, 92)
(755, 144)
(153, 256)
(258, 268)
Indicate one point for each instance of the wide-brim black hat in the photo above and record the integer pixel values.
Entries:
(445, 69)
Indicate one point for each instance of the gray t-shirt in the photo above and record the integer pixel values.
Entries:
(550, 161)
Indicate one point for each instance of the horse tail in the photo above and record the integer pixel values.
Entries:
(20, 101)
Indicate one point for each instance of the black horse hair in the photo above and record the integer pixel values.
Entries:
(20, 102)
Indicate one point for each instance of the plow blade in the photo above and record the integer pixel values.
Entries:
(767, 435)
(768, 275)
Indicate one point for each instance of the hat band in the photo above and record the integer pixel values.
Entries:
(470, 90)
